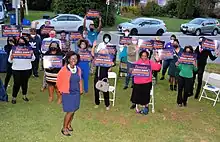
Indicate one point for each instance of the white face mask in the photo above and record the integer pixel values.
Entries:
(106, 40)
(32, 35)
(171, 41)
(134, 42)
(126, 33)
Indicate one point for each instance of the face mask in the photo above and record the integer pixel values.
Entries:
(91, 29)
(126, 33)
(52, 35)
(83, 46)
(53, 48)
(175, 46)
(200, 43)
(106, 40)
(33, 36)
(134, 42)
(171, 41)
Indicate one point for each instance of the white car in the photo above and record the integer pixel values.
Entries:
(66, 22)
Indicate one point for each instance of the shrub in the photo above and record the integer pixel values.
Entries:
(153, 9)
(171, 8)
(135, 10)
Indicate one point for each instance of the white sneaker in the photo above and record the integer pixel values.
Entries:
(107, 108)
(96, 106)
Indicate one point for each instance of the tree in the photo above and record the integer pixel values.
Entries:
(181, 7)
(190, 9)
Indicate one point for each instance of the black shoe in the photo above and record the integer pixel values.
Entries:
(13, 101)
(36, 75)
(62, 131)
(196, 96)
(26, 99)
(162, 78)
(171, 87)
(132, 86)
(184, 104)
(133, 106)
(175, 88)
(126, 87)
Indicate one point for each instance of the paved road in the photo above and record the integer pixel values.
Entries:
(184, 39)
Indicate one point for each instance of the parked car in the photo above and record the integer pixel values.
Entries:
(66, 22)
(200, 26)
(144, 25)
(3, 12)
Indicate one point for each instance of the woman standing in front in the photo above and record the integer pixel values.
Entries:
(51, 73)
(69, 84)
(21, 70)
(142, 85)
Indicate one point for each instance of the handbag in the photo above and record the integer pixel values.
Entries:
(102, 85)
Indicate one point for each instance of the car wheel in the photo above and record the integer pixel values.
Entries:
(80, 29)
(160, 32)
(215, 32)
(134, 32)
(198, 32)
(184, 32)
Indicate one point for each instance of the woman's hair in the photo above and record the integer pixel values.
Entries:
(142, 52)
(9, 38)
(83, 40)
(58, 46)
(107, 35)
(176, 40)
(174, 36)
(23, 38)
(190, 47)
(70, 54)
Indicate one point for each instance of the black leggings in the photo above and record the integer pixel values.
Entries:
(8, 75)
(21, 78)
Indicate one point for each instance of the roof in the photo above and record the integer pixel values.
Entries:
(146, 18)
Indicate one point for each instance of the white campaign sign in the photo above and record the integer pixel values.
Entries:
(14, 2)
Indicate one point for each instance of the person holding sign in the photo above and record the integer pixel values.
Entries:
(173, 72)
(65, 44)
(202, 56)
(142, 83)
(185, 80)
(10, 43)
(52, 69)
(69, 84)
(85, 59)
(92, 33)
(21, 59)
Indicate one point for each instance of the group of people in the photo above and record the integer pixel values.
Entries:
(71, 80)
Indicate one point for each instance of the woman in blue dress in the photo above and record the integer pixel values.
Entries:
(70, 86)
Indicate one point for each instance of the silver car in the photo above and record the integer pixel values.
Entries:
(200, 26)
(66, 22)
(144, 25)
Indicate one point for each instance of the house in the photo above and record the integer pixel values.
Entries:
(137, 2)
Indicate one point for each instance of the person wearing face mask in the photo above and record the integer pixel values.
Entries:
(51, 73)
(69, 84)
(64, 42)
(143, 85)
(10, 43)
(85, 36)
(84, 65)
(185, 79)
(202, 56)
(52, 38)
(35, 43)
(92, 33)
(21, 70)
(166, 63)
(44, 35)
(173, 72)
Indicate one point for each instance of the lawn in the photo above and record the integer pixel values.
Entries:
(40, 121)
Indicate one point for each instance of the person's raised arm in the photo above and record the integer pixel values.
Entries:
(84, 24)
(211, 56)
(93, 49)
(100, 25)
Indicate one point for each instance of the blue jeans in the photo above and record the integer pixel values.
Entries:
(166, 64)
(127, 79)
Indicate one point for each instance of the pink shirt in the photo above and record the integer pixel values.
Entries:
(154, 67)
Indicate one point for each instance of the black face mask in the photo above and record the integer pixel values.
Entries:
(21, 44)
(175, 46)
(53, 48)
(91, 29)
(200, 43)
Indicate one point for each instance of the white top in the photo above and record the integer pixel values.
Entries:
(101, 46)
(21, 64)
(52, 39)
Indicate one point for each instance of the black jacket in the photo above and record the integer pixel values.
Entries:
(37, 46)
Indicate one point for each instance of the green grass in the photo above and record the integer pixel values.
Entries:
(34, 15)
(213, 68)
(40, 121)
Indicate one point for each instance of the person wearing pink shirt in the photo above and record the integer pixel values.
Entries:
(142, 85)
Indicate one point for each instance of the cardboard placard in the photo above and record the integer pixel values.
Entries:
(165, 54)
(111, 49)
(11, 30)
(91, 14)
(158, 44)
(140, 70)
(47, 29)
(75, 36)
(45, 45)
(209, 44)
(22, 52)
(145, 44)
(187, 58)
(52, 61)
(103, 60)
(85, 55)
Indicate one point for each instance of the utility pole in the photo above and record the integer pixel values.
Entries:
(106, 16)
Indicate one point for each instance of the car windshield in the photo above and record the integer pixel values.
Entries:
(196, 21)
(136, 21)
(53, 17)
(0, 8)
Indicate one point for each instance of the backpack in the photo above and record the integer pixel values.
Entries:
(3, 94)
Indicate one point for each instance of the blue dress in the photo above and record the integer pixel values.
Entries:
(71, 101)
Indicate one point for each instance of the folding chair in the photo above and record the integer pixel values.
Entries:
(122, 67)
(112, 88)
(212, 85)
(152, 99)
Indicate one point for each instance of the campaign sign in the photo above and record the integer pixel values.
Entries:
(125, 40)
(91, 14)
(145, 44)
(111, 49)
(165, 54)
(75, 36)
(52, 61)
(47, 29)
(187, 58)
(22, 52)
(85, 55)
(209, 44)
(140, 70)
(11, 31)
(65, 45)
(45, 45)
(103, 60)
(157, 44)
